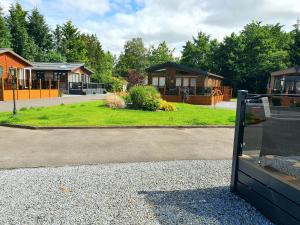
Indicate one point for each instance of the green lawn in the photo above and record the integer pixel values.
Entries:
(97, 114)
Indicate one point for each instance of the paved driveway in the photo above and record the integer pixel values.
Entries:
(38, 148)
(8, 105)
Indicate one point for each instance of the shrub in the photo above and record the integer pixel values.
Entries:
(166, 106)
(117, 84)
(144, 97)
(115, 102)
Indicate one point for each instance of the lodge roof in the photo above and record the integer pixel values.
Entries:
(59, 66)
(291, 70)
(6, 50)
(184, 68)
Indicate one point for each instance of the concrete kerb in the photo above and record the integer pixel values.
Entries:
(109, 127)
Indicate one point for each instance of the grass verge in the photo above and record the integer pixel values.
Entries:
(97, 114)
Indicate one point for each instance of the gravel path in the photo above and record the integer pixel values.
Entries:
(178, 192)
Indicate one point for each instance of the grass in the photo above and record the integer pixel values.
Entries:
(97, 114)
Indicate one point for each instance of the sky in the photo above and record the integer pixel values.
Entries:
(175, 21)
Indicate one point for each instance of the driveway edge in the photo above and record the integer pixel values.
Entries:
(109, 127)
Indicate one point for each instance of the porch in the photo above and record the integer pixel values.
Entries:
(28, 89)
(192, 95)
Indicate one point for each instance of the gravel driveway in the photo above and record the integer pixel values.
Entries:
(178, 192)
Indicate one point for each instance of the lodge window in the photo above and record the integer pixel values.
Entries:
(162, 81)
(155, 81)
(186, 82)
(1, 71)
(178, 82)
(40, 75)
(60, 75)
(193, 82)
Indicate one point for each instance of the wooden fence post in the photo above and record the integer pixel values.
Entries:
(17, 89)
(40, 81)
(29, 89)
(58, 88)
(49, 88)
(2, 88)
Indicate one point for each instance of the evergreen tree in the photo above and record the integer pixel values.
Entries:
(20, 40)
(295, 47)
(4, 31)
(94, 51)
(72, 44)
(57, 39)
(161, 54)
(39, 31)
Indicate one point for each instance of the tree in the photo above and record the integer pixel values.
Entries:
(72, 45)
(94, 51)
(135, 77)
(57, 39)
(134, 57)
(161, 54)
(4, 31)
(20, 40)
(230, 62)
(53, 56)
(246, 60)
(199, 52)
(295, 47)
(39, 31)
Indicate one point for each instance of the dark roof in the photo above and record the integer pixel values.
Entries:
(188, 69)
(291, 70)
(6, 50)
(59, 66)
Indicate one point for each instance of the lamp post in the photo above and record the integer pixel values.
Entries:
(12, 72)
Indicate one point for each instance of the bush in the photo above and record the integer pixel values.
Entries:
(144, 97)
(117, 84)
(166, 106)
(115, 102)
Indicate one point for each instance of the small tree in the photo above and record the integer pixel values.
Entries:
(134, 77)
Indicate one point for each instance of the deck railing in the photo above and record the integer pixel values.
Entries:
(191, 91)
(7, 84)
(86, 88)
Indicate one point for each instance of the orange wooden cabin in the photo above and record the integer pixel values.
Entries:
(26, 88)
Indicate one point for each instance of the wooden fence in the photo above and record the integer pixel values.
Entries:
(28, 90)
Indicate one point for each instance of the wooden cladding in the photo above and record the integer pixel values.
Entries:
(40, 90)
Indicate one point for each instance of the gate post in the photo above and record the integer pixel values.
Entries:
(238, 136)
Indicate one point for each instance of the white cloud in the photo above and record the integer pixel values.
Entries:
(176, 21)
(5, 4)
(84, 6)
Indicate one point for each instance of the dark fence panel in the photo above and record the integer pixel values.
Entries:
(266, 162)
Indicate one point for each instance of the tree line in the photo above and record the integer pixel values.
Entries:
(244, 59)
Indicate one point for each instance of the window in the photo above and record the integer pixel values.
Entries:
(186, 82)
(40, 75)
(178, 82)
(60, 75)
(193, 82)
(1, 71)
(155, 81)
(162, 81)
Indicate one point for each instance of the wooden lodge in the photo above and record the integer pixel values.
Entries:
(43, 80)
(26, 88)
(180, 83)
(286, 85)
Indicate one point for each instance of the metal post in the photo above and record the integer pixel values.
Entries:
(14, 94)
(238, 136)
